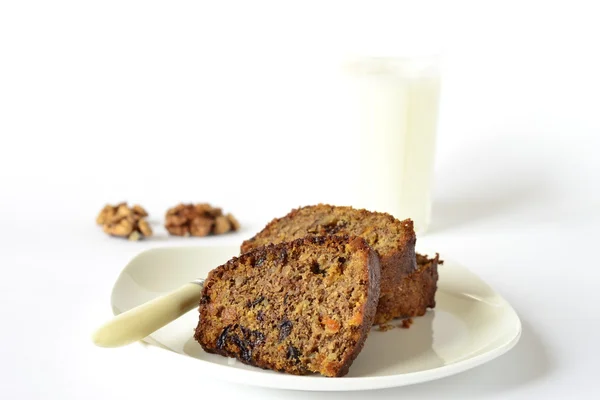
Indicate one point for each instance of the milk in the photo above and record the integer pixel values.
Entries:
(397, 108)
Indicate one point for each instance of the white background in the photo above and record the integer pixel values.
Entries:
(161, 102)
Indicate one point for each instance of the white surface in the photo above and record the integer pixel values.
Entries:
(126, 100)
(470, 326)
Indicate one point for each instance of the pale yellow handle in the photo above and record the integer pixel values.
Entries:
(141, 321)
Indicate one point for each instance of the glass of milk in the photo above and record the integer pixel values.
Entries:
(396, 109)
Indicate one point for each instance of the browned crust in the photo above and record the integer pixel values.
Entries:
(248, 245)
(372, 275)
(416, 292)
(395, 268)
(428, 268)
(369, 310)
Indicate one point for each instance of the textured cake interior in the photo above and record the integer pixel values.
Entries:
(405, 291)
(298, 307)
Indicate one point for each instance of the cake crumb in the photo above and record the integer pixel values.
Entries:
(406, 323)
(385, 327)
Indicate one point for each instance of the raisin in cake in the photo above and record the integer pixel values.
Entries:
(407, 288)
(298, 307)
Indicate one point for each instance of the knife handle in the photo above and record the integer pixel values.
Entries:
(141, 321)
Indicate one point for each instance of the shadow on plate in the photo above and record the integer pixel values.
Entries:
(379, 356)
(527, 362)
(383, 349)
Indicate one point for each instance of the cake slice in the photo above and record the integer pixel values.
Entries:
(298, 307)
(407, 289)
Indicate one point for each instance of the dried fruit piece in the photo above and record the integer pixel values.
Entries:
(331, 325)
(293, 354)
(256, 301)
(199, 219)
(285, 328)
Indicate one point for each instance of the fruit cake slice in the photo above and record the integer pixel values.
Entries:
(299, 307)
(407, 290)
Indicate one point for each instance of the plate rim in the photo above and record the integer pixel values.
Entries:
(258, 378)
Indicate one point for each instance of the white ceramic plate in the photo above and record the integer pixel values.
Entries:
(470, 326)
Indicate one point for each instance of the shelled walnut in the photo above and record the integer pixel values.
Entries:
(124, 221)
(199, 220)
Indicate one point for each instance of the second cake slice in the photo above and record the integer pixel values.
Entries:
(407, 287)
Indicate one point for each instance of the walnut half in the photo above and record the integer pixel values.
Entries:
(123, 221)
(198, 220)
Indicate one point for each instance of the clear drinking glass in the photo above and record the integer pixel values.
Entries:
(396, 102)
